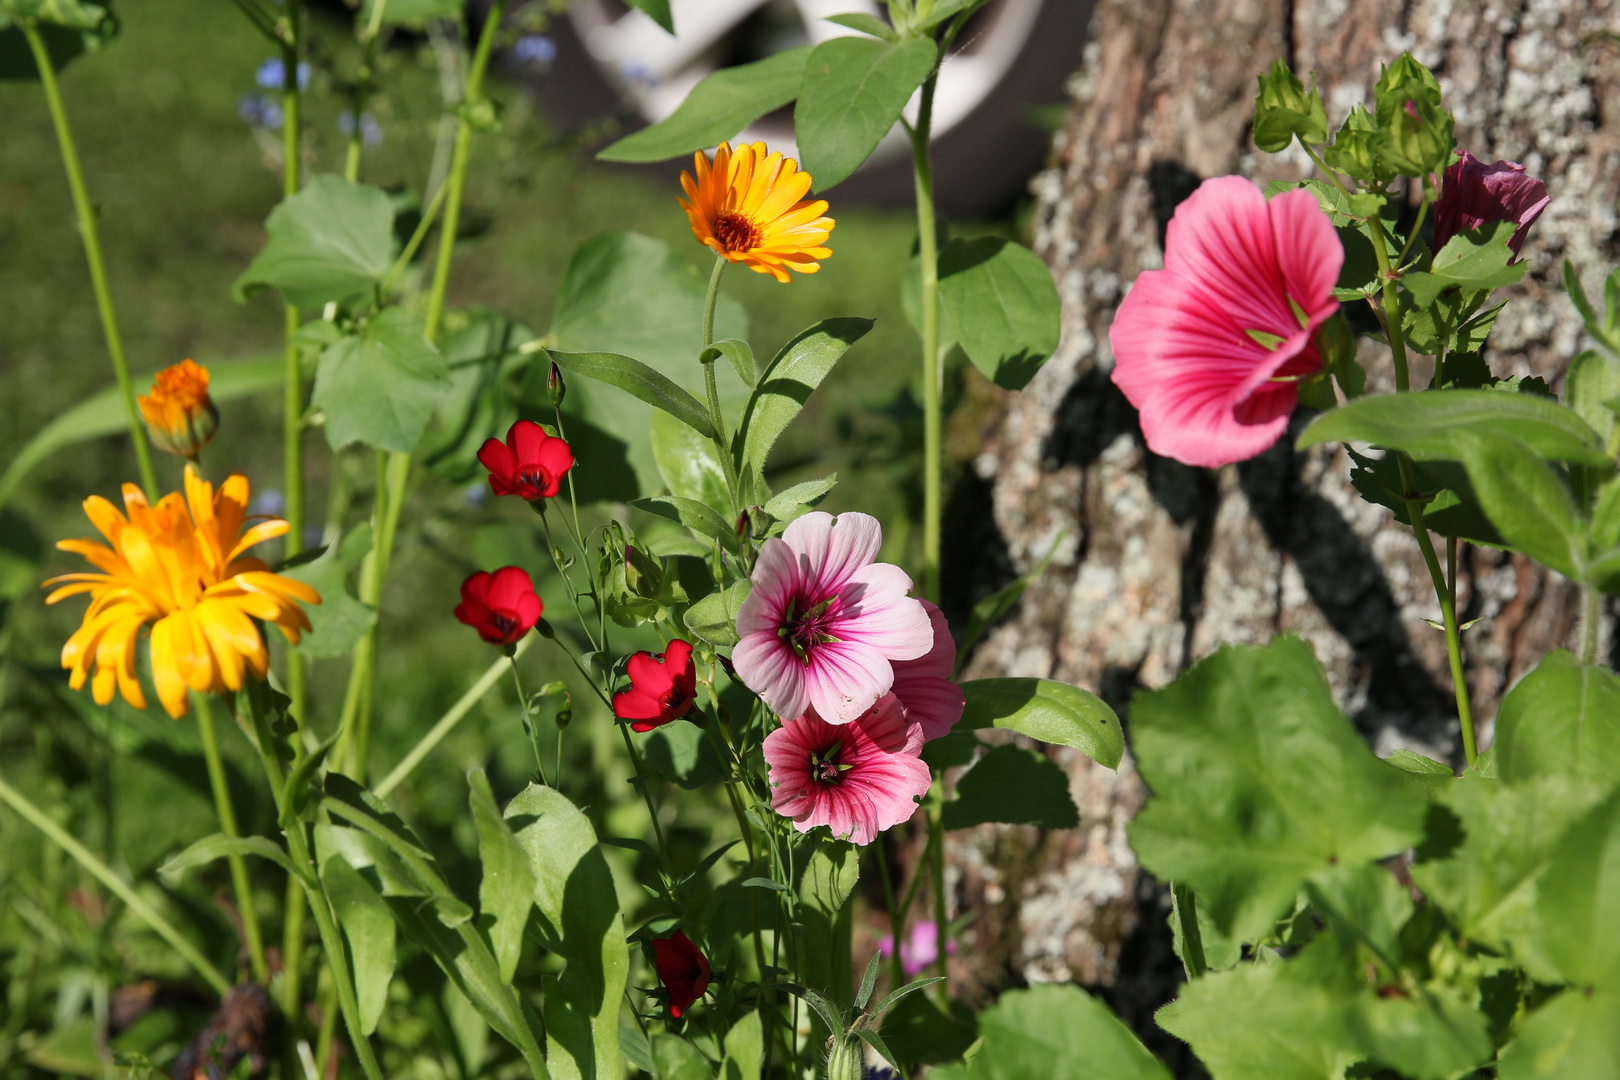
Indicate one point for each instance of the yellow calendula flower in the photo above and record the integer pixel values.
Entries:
(182, 573)
(179, 413)
(750, 207)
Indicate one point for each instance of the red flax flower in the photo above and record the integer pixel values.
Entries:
(662, 687)
(683, 969)
(501, 606)
(529, 463)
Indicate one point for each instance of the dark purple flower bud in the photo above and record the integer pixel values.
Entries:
(1474, 193)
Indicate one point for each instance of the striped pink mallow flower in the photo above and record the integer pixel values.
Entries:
(1210, 348)
(826, 621)
(924, 685)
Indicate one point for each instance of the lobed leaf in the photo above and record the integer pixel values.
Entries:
(1057, 1033)
(380, 387)
(330, 241)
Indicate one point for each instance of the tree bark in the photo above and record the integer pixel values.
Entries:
(1160, 563)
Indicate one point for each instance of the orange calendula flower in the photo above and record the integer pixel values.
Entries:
(750, 207)
(179, 413)
(183, 574)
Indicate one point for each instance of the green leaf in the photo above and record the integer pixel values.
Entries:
(380, 387)
(788, 381)
(784, 505)
(1578, 900)
(1283, 109)
(1527, 501)
(1049, 711)
(71, 14)
(1056, 1033)
(1576, 1034)
(1425, 425)
(714, 618)
(745, 1049)
(1013, 786)
(739, 354)
(947, 9)
(1594, 379)
(658, 10)
(218, 846)
(999, 302)
(579, 916)
(507, 889)
(829, 877)
(1475, 259)
(411, 11)
(920, 1034)
(103, 413)
(332, 240)
(369, 927)
(866, 24)
(1244, 810)
(987, 612)
(692, 514)
(339, 621)
(688, 464)
(717, 109)
(62, 44)
(853, 92)
(641, 381)
(677, 1059)
(1378, 480)
(1562, 719)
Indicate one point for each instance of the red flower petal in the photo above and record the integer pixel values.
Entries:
(526, 438)
(648, 675)
(495, 457)
(508, 586)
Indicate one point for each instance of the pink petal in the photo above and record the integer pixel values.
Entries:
(772, 670)
(844, 680)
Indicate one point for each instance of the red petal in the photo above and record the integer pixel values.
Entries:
(497, 458)
(508, 586)
(529, 610)
(632, 704)
(555, 456)
(475, 590)
(648, 675)
(526, 438)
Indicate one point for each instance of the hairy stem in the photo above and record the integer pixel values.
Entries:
(1448, 606)
(1591, 623)
(241, 884)
(717, 419)
(928, 254)
(92, 254)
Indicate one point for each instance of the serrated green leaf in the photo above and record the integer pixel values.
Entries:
(1576, 1034)
(717, 109)
(332, 240)
(1475, 259)
(368, 925)
(1012, 786)
(1243, 810)
(1049, 711)
(788, 381)
(853, 92)
(1378, 480)
(1000, 303)
(380, 386)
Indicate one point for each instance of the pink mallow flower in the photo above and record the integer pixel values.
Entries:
(924, 685)
(857, 779)
(1474, 193)
(825, 621)
(920, 949)
(1209, 348)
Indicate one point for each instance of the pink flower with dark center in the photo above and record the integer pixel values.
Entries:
(1209, 349)
(858, 779)
(924, 685)
(1474, 193)
(825, 621)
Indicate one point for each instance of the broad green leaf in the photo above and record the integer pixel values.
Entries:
(788, 504)
(1244, 808)
(692, 514)
(491, 382)
(410, 11)
(866, 24)
(787, 383)
(506, 891)
(739, 354)
(331, 241)
(1378, 480)
(580, 921)
(1000, 303)
(1055, 1033)
(1576, 1034)
(657, 10)
(919, 1033)
(1049, 711)
(829, 877)
(368, 925)
(677, 1059)
(1437, 1037)
(1425, 424)
(717, 109)
(853, 92)
(373, 858)
(62, 45)
(714, 618)
(1578, 900)
(1012, 786)
(379, 387)
(1476, 259)
(745, 1049)
(1562, 719)
(1594, 379)
(641, 381)
(1486, 884)
(103, 413)
(218, 846)
(1606, 517)
(689, 464)
(1528, 502)
(339, 621)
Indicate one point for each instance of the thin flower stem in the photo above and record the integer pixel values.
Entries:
(1591, 623)
(728, 754)
(928, 255)
(429, 215)
(103, 873)
(568, 582)
(941, 914)
(897, 970)
(92, 254)
(1392, 304)
(717, 419)
(241, 883)
(1192, 939)
(1448, 606)
(528, 719)
(447, 723)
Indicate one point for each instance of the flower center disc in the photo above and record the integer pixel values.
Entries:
(736, 232)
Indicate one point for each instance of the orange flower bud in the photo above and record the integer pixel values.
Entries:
(180, 416)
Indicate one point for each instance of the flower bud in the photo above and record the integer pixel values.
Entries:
(1416, 134)
(845, 1061)
(1283, 109)
(642, 574)
(555, 387)
(180, 416)
(1354, 149)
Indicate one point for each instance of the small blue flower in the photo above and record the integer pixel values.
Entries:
(371, 132)
(314, 536)
(259, 111)
(272, 74)
(535, 49)
(636, 72)
(269, 502)
(477, 494)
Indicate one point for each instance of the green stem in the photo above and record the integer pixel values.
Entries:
(102, 873)
(308, 873)
(897, 970)
(423, 227)
(241, 884)
(1391, 310)
(727, 754)
(717, 419)
(928, 254)
(528, 718)
(1185, 905)
(1448, 606)
(447, 722)
(1591, 623)
(941, 937)
(92, 254)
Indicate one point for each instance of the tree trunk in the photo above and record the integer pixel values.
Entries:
(1160, 563)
